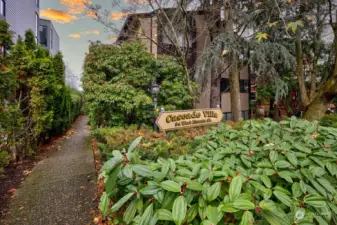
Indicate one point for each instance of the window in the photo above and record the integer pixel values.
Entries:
(224, 85)
(2, 7)
(227, 116)
(51, 38)
(43, 36)
(36, 25)
(245, 115)
(244, 86)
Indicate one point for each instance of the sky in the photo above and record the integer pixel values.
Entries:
(75, 28)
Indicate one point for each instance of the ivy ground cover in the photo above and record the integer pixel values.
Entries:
(262, 173)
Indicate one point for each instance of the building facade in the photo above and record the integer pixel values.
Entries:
(48, 36)
(144, 27)
(21, 15)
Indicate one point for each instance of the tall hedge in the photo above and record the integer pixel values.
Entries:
(35, 103)
(117, 80)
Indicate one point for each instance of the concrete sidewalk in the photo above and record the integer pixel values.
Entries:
(61, 189)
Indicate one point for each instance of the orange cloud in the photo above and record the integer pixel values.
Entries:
(118, 15)
(75, 36)
(75, 6)
(141, 2)
(112, 38)
(57, 15)
(96, 32)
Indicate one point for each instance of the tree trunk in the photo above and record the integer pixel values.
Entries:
(299, 70)
(234, 82)
(215, 89)
(317, 109)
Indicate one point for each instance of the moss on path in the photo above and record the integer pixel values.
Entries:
(61, 188)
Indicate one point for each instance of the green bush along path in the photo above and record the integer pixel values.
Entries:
(61, 188)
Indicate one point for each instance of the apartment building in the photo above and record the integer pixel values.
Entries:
(21, 16)
(48, 36)
(145, 27)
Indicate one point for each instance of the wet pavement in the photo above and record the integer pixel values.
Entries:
(61, 188)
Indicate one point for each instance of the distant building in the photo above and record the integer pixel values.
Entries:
(145, 27)
(21, 15)
(48, 36)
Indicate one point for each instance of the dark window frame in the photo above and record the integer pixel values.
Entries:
(3, 9)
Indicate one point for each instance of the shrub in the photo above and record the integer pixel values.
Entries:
(116, 82)
(265, 173)
(153, 145)
(329, 121)
(3, 159)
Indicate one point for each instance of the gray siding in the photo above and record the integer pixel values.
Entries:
(53, 40)
(21, 15)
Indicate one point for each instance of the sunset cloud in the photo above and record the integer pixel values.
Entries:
(96, 32)
(75, 6)
(57, 15)
(141, 2)
(89, 32)
(75, 36)
(118, 15)
(112, 38)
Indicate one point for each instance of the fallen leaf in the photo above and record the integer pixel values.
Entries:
(11, 190)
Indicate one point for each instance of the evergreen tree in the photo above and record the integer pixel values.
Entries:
(30, 40)
(59, 68)
(6, 35)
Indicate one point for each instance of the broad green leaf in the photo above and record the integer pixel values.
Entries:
(315, 200)
(142, 170)
(104, 203)
(170, 185)
(214, 215)
(134, 144)
(192, 213)
(150, 190)
(164, 214)
(268, 205)
(127, 171)
(194, 185)
(228, 207)
(235, 187)
(282, 164)
(273, 155)
(110, 183)
(327, 185)
(115, 207)
(213, 192)
(147, 215)
(179, 210)
(247, 218)
(296, 189)
(285, 199)
(130, 212)
(266, 181)
(292, 158)
(243, 204)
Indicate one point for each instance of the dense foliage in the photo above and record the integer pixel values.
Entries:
(153, 146)
(34, 100)
(117, 80)
(262, 172)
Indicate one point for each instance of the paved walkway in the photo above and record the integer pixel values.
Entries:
(62, 188)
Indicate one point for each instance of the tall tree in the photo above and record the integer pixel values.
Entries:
(30, 41)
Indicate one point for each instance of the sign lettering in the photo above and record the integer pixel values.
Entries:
(188, 118)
